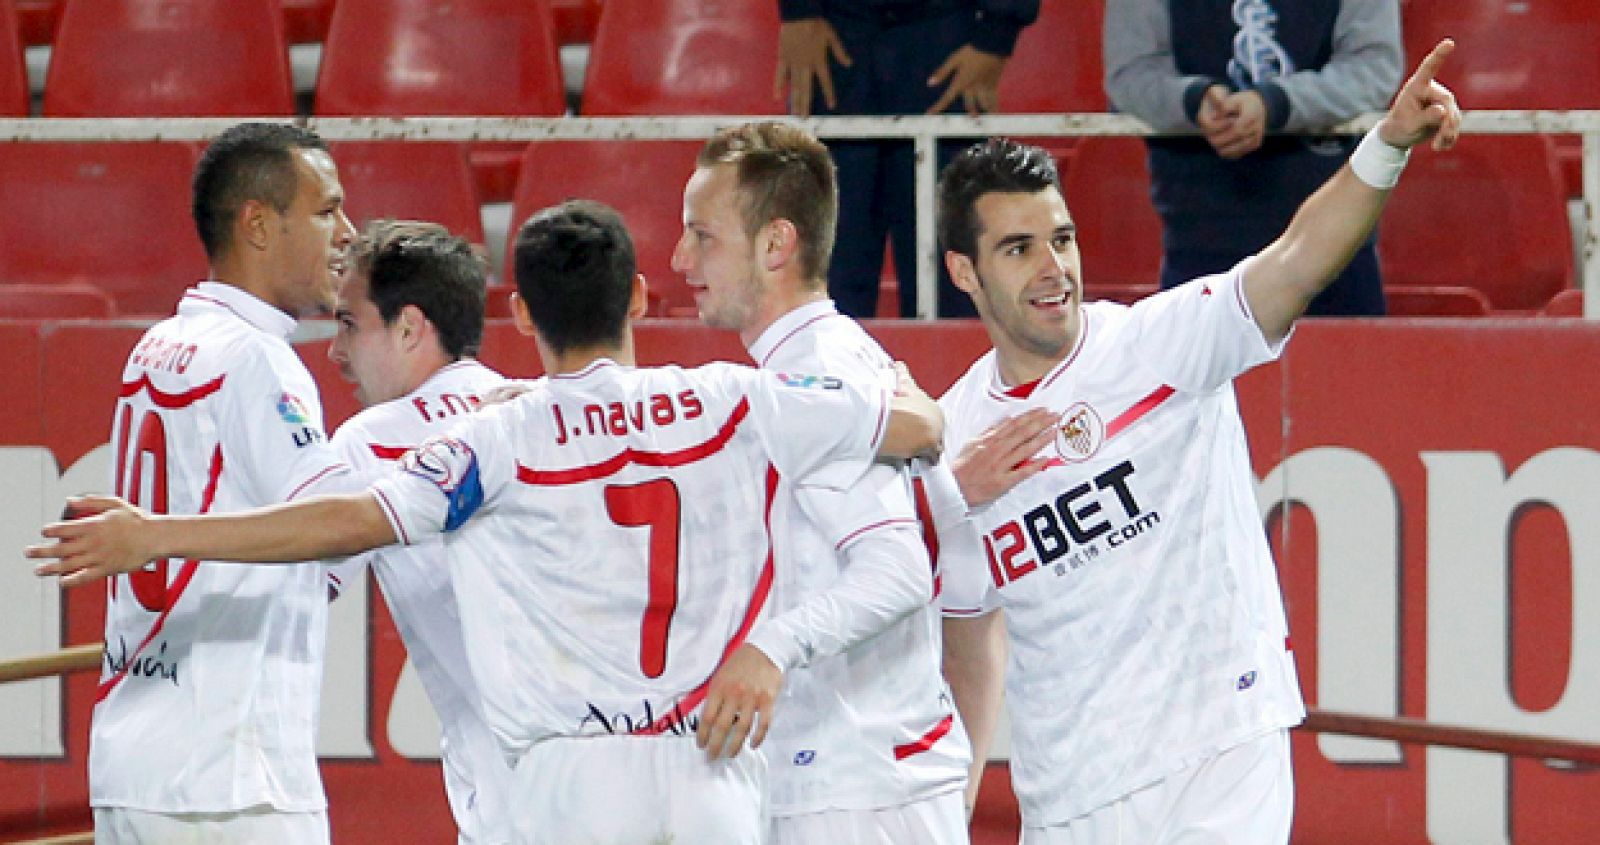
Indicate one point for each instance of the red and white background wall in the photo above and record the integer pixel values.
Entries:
(1432, 489)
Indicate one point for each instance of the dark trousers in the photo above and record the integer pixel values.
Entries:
(877, 183)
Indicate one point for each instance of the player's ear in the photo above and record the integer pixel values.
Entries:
(639, 302)
(412, 324)
(962, 272)
(780, 243)
(250, 225)
(520, 316)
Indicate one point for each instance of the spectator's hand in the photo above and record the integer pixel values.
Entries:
(974, 76)
(1249, 125)
(1423, 109)
(739, 703)
(1213, 117)
(803, 49)
(1002, 457)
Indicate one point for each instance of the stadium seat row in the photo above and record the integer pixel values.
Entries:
(115, 215)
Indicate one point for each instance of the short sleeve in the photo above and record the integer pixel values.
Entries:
(1201, 334)
(819, 430)
(447, 479)
(879, 499)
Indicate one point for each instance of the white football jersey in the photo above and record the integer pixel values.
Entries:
(1142, 608)
(874, 727)
(208, 699)
(625, 551)
(416, 584)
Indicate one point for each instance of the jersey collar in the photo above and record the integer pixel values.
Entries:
(788, 326)
(212, 296)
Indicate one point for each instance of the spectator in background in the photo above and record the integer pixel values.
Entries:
(1242, 69)
(886, 57)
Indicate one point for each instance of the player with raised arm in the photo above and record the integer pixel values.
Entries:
(866, 746)
(410, 315)
(204, 725)
(1150, 680)
(621, 552)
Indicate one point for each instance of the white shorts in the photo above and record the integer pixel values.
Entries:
(256, 826)
(631, 790)
(940, 820)
(1243, 796)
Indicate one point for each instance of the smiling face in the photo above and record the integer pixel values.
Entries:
(715, 255)
(1024, 278)
(311, 236)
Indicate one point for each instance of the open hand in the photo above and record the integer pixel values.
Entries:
(1002, 457)
(739, 703)
(974, 76)
(803, 50)
(104, 536)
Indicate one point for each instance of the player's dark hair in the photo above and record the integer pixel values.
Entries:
(250, 161)
(783, 172)
(575, 269)
(409, 262)
(998, 165)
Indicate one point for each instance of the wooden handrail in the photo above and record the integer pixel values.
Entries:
(75, 659)
(1404, 729)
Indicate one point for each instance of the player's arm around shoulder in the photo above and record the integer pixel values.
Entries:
(115, 537)
(1281, 280)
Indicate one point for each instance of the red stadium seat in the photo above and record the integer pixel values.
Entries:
(412, 181)
(1568, 303)
(114, 215)
(642, 180)
(36, 20)
(1514, 54)
(166, 58)
(13, 73)
(575, 20)
(306, 21)
(683, 57)
(466, 57)
(55, 302)
(1439, 301)
(1490, 214)
(1107, 185)
(1057, 65)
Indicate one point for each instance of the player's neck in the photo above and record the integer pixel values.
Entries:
(570, 361)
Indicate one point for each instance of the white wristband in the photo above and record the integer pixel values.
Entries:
(1377, 163)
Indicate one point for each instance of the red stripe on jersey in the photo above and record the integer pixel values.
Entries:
(758, 599)
(169, 401)
(927, 740)
(176, 588)
(388, 453)
(792, 332)
(882, 523)
(930, 534)
(1139, 409)
(630, 455)
(321, 474)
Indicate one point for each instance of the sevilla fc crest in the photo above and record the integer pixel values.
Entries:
(1079, 433)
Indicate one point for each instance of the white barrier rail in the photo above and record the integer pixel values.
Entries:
(924, 131)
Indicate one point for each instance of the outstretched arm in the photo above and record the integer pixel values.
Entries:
(121, 538)
(1281, 280)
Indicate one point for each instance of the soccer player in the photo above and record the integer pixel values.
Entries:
(1150, 680)
(865, 746)
(623, 554)
(204, 725)
(410, 315)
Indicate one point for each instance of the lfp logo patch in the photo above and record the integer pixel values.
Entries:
(823, 382)
(293, 410)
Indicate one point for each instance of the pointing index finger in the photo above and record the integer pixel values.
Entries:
(1429, 67)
